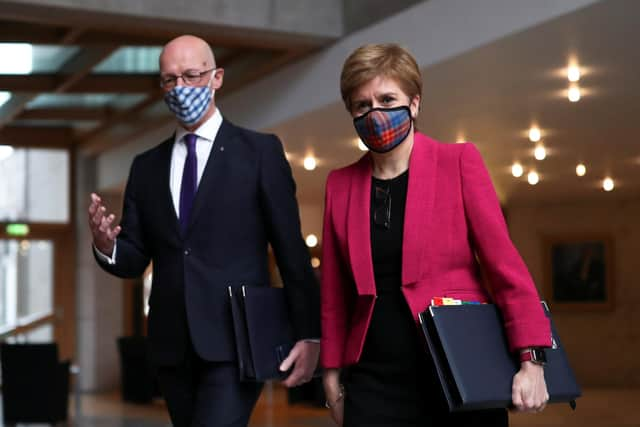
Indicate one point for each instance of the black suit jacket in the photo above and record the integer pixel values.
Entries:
(245, 200)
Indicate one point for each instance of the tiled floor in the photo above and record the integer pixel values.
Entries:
(598, 408)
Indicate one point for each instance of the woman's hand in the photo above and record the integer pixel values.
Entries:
(335, 394)
(529, 390)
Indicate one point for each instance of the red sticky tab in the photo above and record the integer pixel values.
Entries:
(437, 301)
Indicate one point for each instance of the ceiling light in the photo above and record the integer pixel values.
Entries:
(534, 134)
(573, 73)
(5, 151)
(607, 184)
(309, 163)
(460, 139)
(581, 169)
(361, 145)
(311, 240)
(517, 170)
(574, 94)
(540, 153)
(315, 262)
(25, 245)
(4, 97)
(533, 178)
(16, 58)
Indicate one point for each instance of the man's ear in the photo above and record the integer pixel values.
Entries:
(218, 77)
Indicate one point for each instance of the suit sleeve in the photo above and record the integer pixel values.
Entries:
(333, 296)
(514, 290)
(282, 219)
(131, 258)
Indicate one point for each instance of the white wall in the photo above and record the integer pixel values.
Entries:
(433, 31)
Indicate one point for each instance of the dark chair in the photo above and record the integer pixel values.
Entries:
(35, 385)
(136, 375)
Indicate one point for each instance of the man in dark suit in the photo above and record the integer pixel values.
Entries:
(202, 207)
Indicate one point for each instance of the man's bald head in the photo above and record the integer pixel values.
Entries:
(185, 57)
(186, 53)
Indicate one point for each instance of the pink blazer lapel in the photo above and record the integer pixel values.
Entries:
(418, 208)
(358, 227)
(418, 211)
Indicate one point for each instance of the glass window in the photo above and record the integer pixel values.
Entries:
(139, 60)
(131, 59)
(86, 100)
(34, 185)
(26, 280)
(42, 333)
(24, 58)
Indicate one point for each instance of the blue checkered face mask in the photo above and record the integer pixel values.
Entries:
(189, 103)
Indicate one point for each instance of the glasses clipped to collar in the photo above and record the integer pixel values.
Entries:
(382, 206)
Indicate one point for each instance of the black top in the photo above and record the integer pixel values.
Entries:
(386, 236)
(392, 333)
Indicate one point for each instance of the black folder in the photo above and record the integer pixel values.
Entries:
(263, 331)
(472, 358)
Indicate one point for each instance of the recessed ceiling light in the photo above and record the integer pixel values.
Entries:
(540, 153)
(16, 58)
(309, 163)
(607, 184)
(311, 240)
(533, 178)
(534, 134)
(581, 169)
(5, 151)
(517, 170)
(315, 262)
(4, 97)
(573, 73)
(573, 94)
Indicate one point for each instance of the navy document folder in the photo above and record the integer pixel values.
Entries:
(262, 329)
(475, 367)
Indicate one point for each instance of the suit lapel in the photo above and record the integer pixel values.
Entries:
(418, 208)
(359, 227)
(212, 171)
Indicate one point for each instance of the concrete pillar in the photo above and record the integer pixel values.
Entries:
(99, 296)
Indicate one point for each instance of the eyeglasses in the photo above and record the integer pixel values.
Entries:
(382, 207)
(190, 78)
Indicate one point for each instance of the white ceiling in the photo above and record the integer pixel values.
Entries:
(492, 95)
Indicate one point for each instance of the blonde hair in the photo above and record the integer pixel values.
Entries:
(373, 60)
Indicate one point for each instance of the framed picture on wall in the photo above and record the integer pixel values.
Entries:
(579, 272)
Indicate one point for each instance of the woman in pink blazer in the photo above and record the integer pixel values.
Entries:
(411, 220)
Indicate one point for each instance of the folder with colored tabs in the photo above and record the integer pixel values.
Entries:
(472, 358)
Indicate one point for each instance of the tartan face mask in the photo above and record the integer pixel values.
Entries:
(383, 129)
(189, 103)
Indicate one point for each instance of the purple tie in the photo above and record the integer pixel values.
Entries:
(189, 180)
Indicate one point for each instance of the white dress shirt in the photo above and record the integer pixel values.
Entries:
(204, 144)
(206, 135)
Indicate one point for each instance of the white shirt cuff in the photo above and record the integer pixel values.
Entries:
(111, 260)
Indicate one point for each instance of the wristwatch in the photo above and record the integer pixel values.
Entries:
(535, 355)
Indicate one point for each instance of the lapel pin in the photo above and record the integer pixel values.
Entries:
(221, 148)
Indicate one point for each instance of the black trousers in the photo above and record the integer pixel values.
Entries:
(201, 393)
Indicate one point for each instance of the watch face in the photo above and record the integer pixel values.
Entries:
(538, 355)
